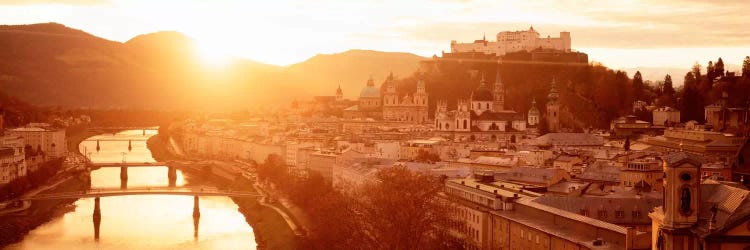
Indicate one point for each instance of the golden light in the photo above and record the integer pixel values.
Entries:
(212, 54)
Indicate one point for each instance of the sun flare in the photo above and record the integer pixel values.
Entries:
(212, 54)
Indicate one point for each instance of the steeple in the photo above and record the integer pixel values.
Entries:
(498, 103)
(370, 82)
(553, 95)
(339, 93)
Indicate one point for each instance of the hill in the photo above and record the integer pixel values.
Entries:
(50, 64)
(351, 69)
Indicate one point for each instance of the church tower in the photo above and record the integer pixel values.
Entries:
(553, 108)
(339, 94)
(463, 116)
(420, 102)
(533, 115)
(681, 207)
(499, 93)
(390, 98)
(420, 97)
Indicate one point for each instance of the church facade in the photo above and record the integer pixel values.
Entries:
(483, 117)
(389, 105)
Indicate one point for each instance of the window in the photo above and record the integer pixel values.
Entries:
(636, 214)
(584, 212)
(685, 201)
(602, 214)
(620, 214)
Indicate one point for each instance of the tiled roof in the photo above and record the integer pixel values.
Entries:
(676, 158)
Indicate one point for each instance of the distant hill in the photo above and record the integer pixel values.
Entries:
(324, 72)
(655, 74)
(51, 64)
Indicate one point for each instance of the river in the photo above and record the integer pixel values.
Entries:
(141, 221)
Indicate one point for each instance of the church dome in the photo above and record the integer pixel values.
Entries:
(534, 111)
(369, 92)
(483, 93)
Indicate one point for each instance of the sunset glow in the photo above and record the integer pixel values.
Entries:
(287, 32)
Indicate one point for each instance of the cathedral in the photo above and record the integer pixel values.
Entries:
(390, 105)
(483, 117)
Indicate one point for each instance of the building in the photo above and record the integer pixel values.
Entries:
(498, 215)
(564, 140)
(553, 109)
(706, 143)
(407, 108)
(643, 174)
(699, 215)
(514, 41)
(390, 106)
(481, 118)
(49, 140)
(12, 158)
(534, 114)
(666, 116)
(627, 126)
(723, 117)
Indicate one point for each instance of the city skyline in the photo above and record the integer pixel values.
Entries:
(619, 35)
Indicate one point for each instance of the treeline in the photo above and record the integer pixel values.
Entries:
(400, 211)
(705, 88)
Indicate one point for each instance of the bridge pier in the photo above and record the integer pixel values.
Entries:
(196, 221)
(172, 175)
(123, 173)
(97, 217)
(196, 207)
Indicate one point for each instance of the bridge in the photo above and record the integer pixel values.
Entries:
(130, 164)
(115, 129)
(109, 140)
(107, 192)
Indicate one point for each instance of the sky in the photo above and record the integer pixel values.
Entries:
(617, 33)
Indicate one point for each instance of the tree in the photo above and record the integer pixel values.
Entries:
(404, 211)
(746, 67)
(692, 101)
(668, 88)
(697, 70)
(638, 87)
(719, 68)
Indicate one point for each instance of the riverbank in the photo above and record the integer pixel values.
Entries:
(270, 229)
(14, 227)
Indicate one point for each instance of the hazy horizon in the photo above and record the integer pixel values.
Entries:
(619, 35)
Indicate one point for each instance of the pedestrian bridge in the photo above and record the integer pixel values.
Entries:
(104, 192)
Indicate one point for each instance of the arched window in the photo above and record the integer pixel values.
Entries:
(465, 124)
(447, 126)
(685, 200)
(487, 105)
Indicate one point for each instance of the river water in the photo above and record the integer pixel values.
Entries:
(141, 221)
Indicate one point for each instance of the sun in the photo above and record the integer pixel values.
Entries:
(212, 54)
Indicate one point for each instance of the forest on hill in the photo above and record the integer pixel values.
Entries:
(591, 95)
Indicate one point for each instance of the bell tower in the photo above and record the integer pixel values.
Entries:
(498, 93)
(553, 108)
(682, 194)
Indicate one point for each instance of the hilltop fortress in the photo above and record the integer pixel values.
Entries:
(514, 41)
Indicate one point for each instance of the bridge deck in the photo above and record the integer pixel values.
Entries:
(129, 164)
(104, 192)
